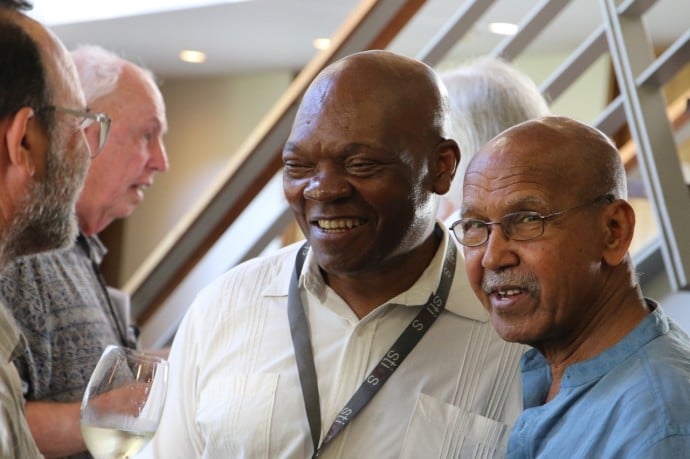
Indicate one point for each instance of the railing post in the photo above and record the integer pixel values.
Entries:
(645, 108)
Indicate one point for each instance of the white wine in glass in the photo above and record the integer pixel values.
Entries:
(123, 402)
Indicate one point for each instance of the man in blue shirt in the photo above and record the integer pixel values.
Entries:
(546, 229)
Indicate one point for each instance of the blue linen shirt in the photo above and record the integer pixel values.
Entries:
(630, 401)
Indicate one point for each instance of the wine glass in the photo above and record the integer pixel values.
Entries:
(123, 402)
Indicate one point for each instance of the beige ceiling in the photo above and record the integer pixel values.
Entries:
(259, 35)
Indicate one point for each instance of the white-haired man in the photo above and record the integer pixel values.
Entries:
(59, 298)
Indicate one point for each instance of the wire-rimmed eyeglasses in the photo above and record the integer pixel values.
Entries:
(518, 226)
(88, 118)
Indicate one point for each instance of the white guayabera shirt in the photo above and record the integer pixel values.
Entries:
(235, 391)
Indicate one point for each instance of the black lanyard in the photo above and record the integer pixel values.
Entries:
(407, 340)
(81, 240)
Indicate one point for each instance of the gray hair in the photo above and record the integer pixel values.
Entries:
(487, 96)
(99, 70)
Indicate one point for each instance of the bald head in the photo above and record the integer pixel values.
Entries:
(404, 91)
(100, 71)
(568, 155)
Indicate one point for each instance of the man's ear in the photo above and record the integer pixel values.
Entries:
(448, 159)
(21, 141)
(619, 228)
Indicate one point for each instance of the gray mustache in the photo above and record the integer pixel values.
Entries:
(494, 280)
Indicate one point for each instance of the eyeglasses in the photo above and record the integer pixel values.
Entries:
(88, 118)
(518, 226)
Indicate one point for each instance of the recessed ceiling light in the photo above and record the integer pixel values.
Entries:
(195, 57)
(321, 43)
(503, 28)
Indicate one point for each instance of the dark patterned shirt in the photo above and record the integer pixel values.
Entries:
(61, 307)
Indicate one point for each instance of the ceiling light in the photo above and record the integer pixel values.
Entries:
(53, 13)
(321, 43)
(503, 28)
(195, 57)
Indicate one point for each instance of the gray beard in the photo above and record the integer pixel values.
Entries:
(47, 217)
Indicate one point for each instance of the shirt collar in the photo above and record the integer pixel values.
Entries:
(655, 324)
(461, 299)
(96, 247)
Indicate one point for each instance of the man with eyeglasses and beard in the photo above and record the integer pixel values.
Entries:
(546, 229)
(59, 298)
(43, 160)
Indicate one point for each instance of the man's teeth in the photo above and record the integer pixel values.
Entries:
(510, 292)
(339, 225)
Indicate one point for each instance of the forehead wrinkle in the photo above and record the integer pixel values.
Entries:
(516, 156)
(497, 178)
(505, 189)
